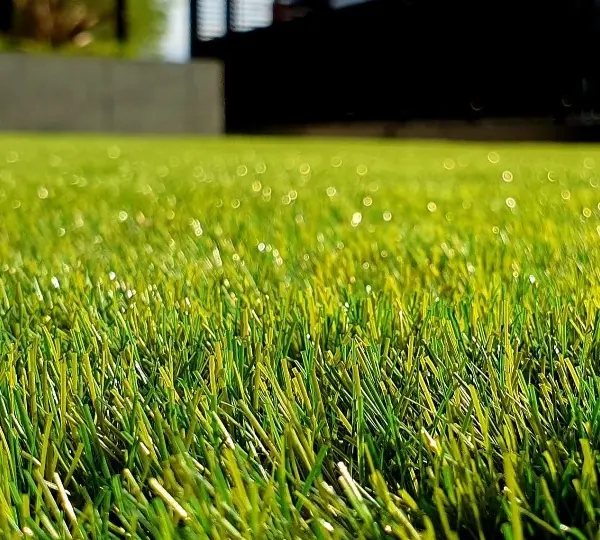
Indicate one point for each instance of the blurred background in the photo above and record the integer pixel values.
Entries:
(151, 28)
(309, 66)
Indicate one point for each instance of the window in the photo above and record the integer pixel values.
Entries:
(251, 14)
(211, 19)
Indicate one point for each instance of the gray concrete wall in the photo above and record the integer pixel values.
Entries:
(54, 93)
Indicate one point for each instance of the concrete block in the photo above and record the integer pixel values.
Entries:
(206, 98)
(63, 94)
(149, 97)
(55, 93)
(10, 91)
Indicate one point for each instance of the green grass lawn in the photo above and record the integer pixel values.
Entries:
(329, 339)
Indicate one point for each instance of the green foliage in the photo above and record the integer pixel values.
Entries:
(85, 27)
(147, 20)
(251, 339)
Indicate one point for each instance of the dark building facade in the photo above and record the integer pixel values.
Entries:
(296, 62)
(399, 60)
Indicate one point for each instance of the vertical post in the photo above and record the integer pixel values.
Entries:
(228, 16)
(587, 50)
(121, 22)
(6, 15)
(593, 47)
(226, 58)
(193, 29)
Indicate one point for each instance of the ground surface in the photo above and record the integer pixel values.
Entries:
(252, 339)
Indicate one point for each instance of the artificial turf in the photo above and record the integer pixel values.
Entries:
(246, 338)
